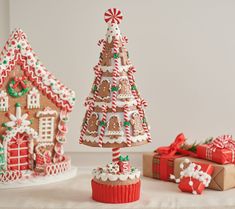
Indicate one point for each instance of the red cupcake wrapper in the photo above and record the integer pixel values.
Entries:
(115, 193)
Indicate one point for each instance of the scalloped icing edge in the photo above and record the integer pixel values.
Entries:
(119, 140)
(114, 177)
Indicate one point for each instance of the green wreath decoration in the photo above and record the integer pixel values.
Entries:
(13, 84)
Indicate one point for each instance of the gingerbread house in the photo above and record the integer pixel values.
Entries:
(34, 108)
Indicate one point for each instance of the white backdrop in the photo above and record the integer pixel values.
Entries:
(183, 50)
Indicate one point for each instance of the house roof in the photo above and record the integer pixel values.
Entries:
(17, 49)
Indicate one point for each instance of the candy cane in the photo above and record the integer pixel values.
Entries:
(132, 82)
(124, 40)
(127, 127)
(104, 110)
(102, 51)
(101, 41)
(146, 129)
(116, 154)
(97, 70)
(84, 128)
(115, 75)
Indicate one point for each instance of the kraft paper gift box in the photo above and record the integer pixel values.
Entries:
(160, 164)
(157, 166)
(223, 177)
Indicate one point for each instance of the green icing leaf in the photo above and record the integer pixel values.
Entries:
(126, 158)
(102, 123)
(114, 88)
(126, 123)
(133, 87)
(115, 55)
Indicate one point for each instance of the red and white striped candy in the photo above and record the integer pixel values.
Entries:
(101, 41)
(146, 129)
(113, 15)
(127, 128)
(19, 35)
(89, 111)
(132, 82)
(115, 75)
(104, 111)
(116, 154)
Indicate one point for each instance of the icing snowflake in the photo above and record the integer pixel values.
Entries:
(113, 168)
(18, 119)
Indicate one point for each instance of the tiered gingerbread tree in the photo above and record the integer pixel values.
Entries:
(115, 117)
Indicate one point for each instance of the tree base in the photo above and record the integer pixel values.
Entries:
(115, 193)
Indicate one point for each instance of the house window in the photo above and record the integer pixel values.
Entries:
(46, 129)
(3, 101)
(33, 99)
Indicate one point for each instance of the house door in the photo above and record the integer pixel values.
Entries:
(18, 152)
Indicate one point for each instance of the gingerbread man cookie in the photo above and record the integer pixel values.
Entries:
(124, 92)
(114, 127)
(124, 56)
(107, 55)
(93, 125)
(104, 91)
(137, 124)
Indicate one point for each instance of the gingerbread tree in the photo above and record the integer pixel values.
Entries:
(115, 116)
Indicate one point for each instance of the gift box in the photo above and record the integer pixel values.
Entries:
(194, 177)
(223, 177)
(160, 164)
(220, 150)
(157, 166)
(124, 164)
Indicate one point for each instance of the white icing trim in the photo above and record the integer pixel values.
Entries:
(3, 101)
(40, 180)
(46, 112)
(122, 68)
(119, 103)
(22, 129)
(17, 47)
(104, 176)
(33, 99)
(118, 140)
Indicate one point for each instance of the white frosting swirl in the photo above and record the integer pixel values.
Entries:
(103, 175)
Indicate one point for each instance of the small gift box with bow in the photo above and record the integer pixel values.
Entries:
(194, 177)
(220, 150)
(124, 164)
(160, 163)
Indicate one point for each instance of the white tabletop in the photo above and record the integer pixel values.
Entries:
(76, 193)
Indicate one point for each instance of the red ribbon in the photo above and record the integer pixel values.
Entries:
(20, 81)
(165, 154)
(221, 142)
(173, 147)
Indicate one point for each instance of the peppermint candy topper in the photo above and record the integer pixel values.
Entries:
(113, 15)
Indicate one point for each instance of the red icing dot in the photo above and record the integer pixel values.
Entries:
(13, 42)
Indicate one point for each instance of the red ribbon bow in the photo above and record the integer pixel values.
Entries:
(20, 81)
(221, 142)
(173, 147)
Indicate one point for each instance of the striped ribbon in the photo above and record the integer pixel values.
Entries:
(221, 142)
